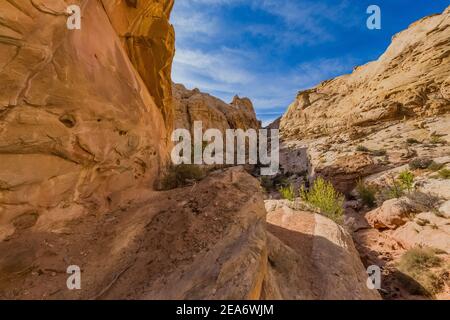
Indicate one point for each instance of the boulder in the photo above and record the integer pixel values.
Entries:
(311, 257)
(392, 214)
(427, 230)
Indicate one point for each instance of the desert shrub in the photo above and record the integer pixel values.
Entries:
(412, 141)
(324, 197)
(416, 263)
(420, 163)
(444, 174)
(425, 201)
(379, 153)
(288, 192)
(434, 166)
(366, 193)
(266, 183)
(437, 140)
(180, 175)
(406, 180)
(362, 149)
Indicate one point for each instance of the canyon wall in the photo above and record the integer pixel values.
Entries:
(410, 80)
(84, 113)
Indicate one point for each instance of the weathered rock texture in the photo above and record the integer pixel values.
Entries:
(311, 257)
(193, 105)
(79, 122)
(411, 79)
(358, 124)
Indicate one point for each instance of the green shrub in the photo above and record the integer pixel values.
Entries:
(420, 163)
(366, 193)
(266, 183)
(444, 174)
(406, 180)
(379, 153)
(412, 141)
(323, 196)
(287, 192)
(180, 175)
(437, 140)
(434, 166)
(416, 263)
(362, 149)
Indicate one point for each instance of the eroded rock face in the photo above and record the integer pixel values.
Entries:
(78, 122)
(207, 242)
(149, 39)
(311, 257)
(193, 105)
(392, 214)
(410, 80)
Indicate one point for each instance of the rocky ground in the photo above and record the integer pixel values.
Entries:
(352, 131)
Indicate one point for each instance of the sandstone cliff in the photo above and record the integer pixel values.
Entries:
(79, 122)
(193, 105)
(410, 80)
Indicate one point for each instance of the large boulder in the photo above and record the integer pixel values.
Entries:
(206, 241)
(392, 214)
(427, 230)
(311, 257)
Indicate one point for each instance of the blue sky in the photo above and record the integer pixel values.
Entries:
(268, 50)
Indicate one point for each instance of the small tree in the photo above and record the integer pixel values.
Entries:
(406, 180)
(323, 196)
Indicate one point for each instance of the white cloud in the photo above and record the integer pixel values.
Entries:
(204, 61)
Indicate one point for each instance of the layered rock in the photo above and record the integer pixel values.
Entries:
(207, 242)
(410, 80)
(78, 121)
(311, 257)
(381, 116)
(193, 105)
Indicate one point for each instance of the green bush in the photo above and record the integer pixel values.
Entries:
(444, 174)
(406, 180)
(323, 196)
(420, 163)
(412, 141)
(379, 153)
(366, 193)
(180, 175)
(437, 140)
(434, 166)
(362, 149)
(416, 263)
(287, 192)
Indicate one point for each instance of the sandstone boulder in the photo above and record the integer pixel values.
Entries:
(392, 214)
(427, 230)
(311, 257)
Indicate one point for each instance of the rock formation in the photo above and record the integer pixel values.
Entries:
(410, 80)
(84, 114)
(193, 105)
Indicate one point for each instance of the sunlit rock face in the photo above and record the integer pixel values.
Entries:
(84, 114)
(193, 105)
(410, 80)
